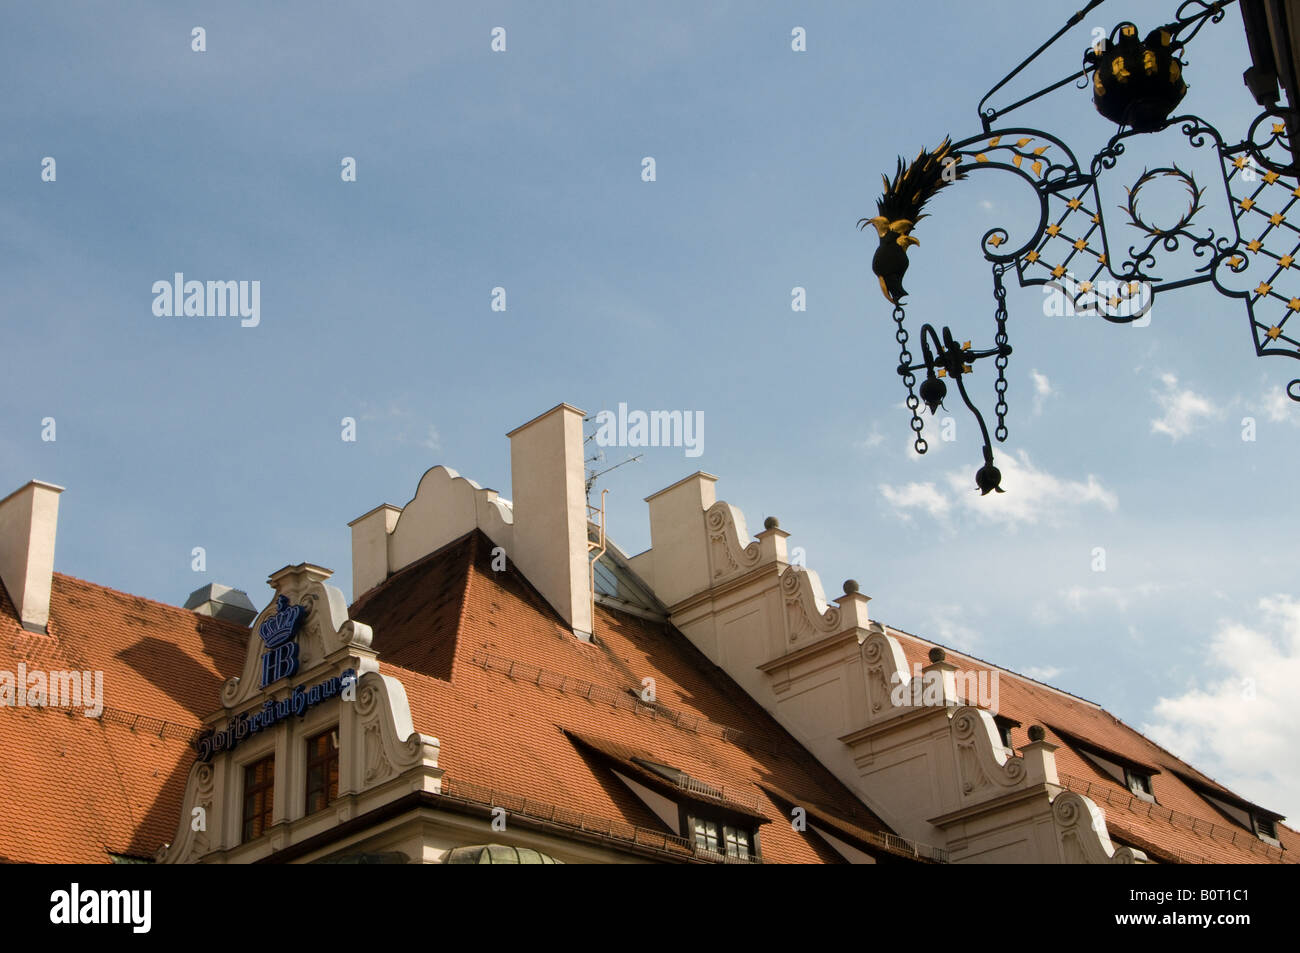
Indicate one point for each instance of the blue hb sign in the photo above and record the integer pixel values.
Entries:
(278, 632)
(272, 712)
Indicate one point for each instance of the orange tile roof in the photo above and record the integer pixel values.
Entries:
(521, 707)
(78, 788)
(1181, 827)
(523, 689)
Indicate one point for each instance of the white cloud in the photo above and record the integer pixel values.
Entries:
(1032, 495)
(1183, 409)
(1080, 598)
(1279, 408)
(947, 622)
(400, 424)
(1040, 613)
(1241, 727)
(932, 435)
(1041, 673)
(873, 439)
(915, 495)
(1042, 390)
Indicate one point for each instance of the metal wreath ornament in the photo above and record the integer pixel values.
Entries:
(1137, 83)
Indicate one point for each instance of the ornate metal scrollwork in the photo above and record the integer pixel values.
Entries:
(1070, 247)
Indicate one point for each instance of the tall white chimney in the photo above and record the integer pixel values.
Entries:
(29, 519)
(548, 490)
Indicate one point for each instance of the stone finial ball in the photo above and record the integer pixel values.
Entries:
(1036, 733)
(937, 654)
(771, 523)
(850, 586)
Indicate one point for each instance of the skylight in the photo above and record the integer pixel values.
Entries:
(617, 585)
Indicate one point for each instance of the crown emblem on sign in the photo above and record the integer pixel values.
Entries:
(280, 627)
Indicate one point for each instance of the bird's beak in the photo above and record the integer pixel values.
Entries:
(901, 227)
(905, 240)
(882, 225)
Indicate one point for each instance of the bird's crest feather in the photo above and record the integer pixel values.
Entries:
(915, 183)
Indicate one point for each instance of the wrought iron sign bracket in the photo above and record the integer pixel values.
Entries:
(1137, 83)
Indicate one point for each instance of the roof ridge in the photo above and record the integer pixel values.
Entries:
(358, 599)
(464, 599)
(995, 665)
(530, 594)
(438, 582)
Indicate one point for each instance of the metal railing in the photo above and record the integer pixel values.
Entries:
(917, 849)
(717, 792)
(718, 857)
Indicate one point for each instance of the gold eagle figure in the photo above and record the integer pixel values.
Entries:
(899, 209)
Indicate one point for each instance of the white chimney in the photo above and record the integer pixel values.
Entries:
(370, 547)
(29, 519)
(679, 538)
(548, 489)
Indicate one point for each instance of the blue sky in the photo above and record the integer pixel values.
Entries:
(522, 170)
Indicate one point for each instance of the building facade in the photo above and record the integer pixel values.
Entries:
(509, 686)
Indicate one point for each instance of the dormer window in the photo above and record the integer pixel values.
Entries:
(1139, 783)
(736, 843)
(1260, 822)
(1266, 827)
(1005, 725)
(1134, 775)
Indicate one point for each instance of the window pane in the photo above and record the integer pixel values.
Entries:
(322, 770)
(259, 797)
(706, 834)
(1139, 783)
(738, 844)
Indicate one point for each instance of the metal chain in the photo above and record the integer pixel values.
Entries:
(1000, 296)
(909, 379)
